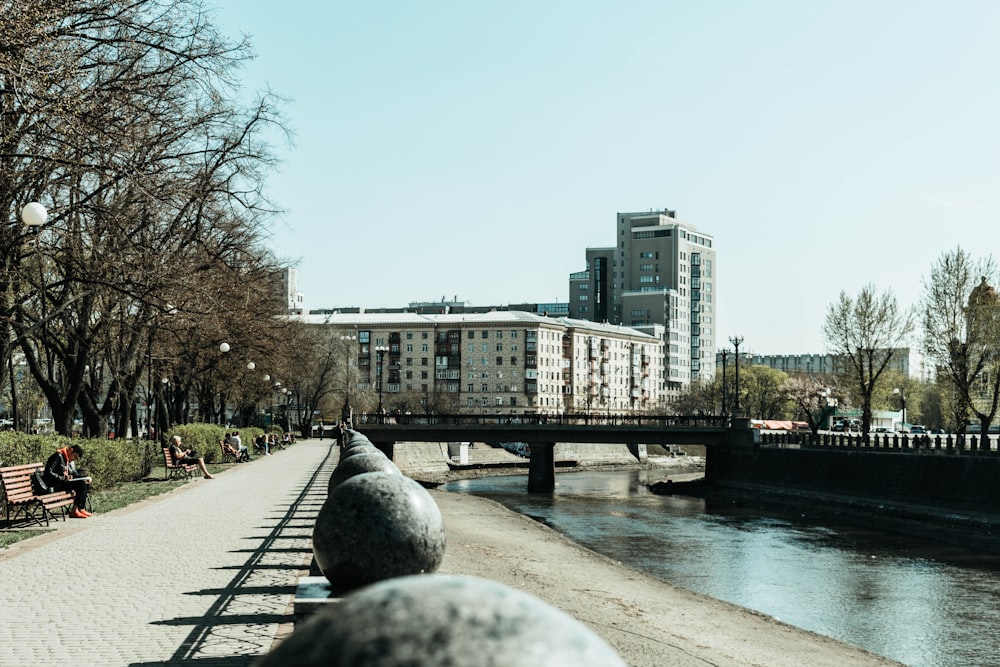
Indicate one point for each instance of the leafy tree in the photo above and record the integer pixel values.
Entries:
(864, 332)
(763, 394)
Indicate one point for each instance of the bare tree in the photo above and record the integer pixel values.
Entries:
(865, 332)
(120, 117)
(961, 323)
(815, 399)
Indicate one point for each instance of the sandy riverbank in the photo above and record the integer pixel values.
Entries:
(649, 622)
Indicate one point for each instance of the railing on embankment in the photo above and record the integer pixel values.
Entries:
(943, 472)
(902, 442)
(594, 419)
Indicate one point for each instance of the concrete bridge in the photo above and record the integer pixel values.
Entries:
(541, 433)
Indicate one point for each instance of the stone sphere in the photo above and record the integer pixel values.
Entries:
(360, 463)
(439, 621)
(366, 448)
(375, 526)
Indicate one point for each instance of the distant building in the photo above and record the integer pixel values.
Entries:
(504, 362)
(287, 282)
(659, 273)
(905, 361)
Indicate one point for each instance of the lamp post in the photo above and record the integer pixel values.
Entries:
(380, 351)
(33, 215)
(736, 340)
(902, 402)
(725, 354)
(346, 412)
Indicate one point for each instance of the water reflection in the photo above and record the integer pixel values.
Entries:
(921, 603)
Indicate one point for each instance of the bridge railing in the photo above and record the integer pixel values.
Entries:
(888, 442)
(715, 421)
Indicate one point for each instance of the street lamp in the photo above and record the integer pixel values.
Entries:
(345, 412)
(736, 340)
(380, 351)
(725, 354)
(34, 214)
(902, 401)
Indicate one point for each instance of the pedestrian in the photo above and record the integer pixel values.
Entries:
(60, 474)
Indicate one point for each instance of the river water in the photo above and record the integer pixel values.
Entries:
(921, 603)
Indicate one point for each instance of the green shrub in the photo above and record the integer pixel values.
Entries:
(205, 438)
(108, 462)
(111, 462)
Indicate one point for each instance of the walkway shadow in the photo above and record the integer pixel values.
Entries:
(240, 625)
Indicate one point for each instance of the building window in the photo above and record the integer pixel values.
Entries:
(472, 334)
(409, 348)
(485, 334)
(499, 361)
(423, 348)
(423, 335)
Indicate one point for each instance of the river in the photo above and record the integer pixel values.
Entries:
(921, 603)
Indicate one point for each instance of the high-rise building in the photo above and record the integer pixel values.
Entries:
(659, 273)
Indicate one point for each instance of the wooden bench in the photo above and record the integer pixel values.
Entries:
(176, 470)
(227, 453)
(20, 498)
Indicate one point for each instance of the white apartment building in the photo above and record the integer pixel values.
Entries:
(502, 362)
(661, 273)
(906, 361)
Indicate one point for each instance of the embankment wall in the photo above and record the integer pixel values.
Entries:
(964, 482)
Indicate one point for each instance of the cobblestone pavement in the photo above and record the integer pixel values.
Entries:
(203, 575)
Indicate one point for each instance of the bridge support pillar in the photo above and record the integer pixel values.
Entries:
(542, 468)
(639, 452)
(385, 447)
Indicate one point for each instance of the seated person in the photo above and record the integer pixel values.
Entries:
(187, 456)
(229, 449)
(236, 443)
(60, 474)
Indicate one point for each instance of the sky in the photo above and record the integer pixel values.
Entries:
(475, 149)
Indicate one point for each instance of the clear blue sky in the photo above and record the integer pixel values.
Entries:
(475, 149)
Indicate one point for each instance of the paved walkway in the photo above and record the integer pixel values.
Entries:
(203, 575)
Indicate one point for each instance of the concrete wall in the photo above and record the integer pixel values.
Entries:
(432, 457)
(962, 482)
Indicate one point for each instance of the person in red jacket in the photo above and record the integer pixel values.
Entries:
(60, 474)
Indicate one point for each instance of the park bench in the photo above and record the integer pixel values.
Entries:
(227, 454)
(20, 498)
(176, 470)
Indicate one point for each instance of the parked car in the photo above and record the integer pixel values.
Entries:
(917, 428)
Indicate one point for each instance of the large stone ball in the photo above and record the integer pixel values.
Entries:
(439, 621)
(375, 526)
(366, 448)
(359, 464)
